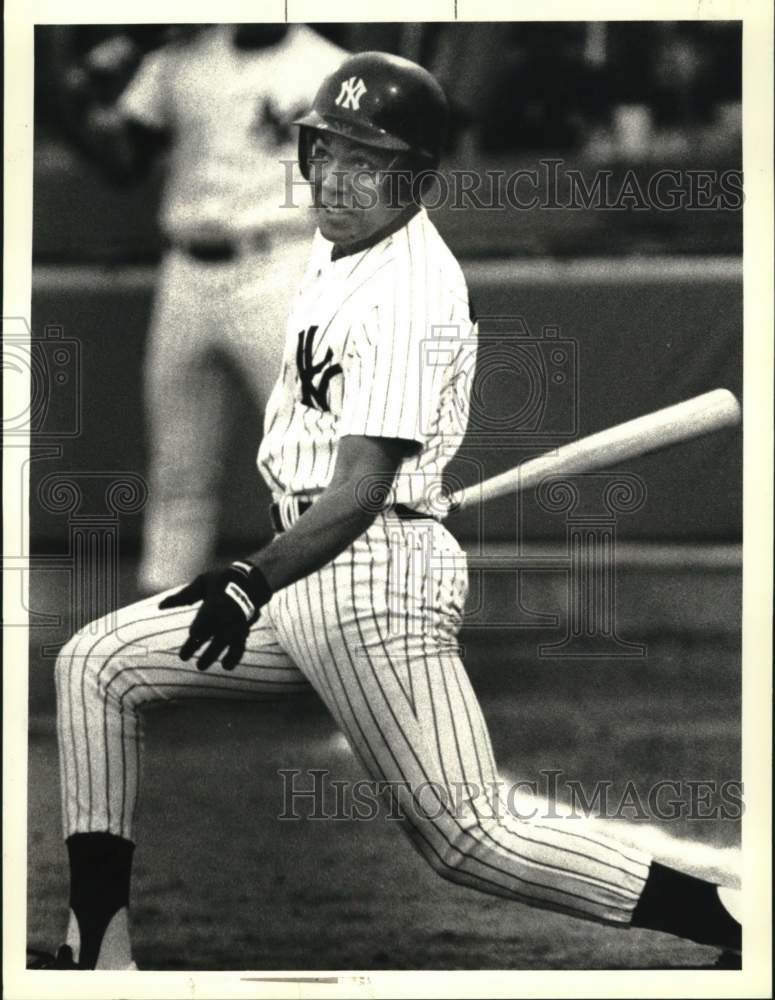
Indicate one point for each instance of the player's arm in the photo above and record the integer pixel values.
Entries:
(365, 470)
(232, 598)
(97, 120)
(122, 147)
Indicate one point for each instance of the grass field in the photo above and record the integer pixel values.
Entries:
(223, 884)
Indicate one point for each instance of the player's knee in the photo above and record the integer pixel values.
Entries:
(80, 663)
(67, 662)
(460, 844)
(453, 854)
(64, 670)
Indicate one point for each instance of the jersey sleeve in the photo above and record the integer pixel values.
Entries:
(146, 98)
(321, 56)
(390, 388)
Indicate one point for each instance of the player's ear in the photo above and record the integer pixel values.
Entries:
(425, 176)
(398, 175)
(412, 177)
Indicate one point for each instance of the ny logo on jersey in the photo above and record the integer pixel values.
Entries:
(351, 93)
(311, 394)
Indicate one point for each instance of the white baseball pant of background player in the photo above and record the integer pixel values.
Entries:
(227, 109)
(205, 315)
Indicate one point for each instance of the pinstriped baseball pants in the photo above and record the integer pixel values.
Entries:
(374, 632)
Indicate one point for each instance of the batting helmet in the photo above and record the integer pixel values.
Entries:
(380, 100)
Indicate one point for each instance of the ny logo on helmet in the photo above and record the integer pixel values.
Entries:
(351, 93)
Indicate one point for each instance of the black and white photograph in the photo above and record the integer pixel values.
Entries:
(388, 501)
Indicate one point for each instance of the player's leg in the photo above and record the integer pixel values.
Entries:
(185, 404)
(474, 838)
(105, 675)
(390, 673)
(381, 653)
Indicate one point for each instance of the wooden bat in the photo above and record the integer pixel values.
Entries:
(692, 418)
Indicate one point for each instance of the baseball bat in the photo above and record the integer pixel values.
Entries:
(692, 418)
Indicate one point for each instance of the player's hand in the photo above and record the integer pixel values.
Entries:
(231, 601)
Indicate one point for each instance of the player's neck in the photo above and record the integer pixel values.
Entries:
(407, 213)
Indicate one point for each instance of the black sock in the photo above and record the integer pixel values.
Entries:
(100, 868)
(687, 906)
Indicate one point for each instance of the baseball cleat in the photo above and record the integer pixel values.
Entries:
(63, 959)
(729, 960)
(45, 960)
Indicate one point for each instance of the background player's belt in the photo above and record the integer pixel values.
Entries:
(220, 251)
(290, 510)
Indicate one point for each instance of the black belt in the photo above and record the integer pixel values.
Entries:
(401, 511)
(223, 250)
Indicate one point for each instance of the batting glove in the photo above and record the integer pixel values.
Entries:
(231, 600)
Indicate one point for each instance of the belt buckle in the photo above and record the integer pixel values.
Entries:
(295, 506)
(288, 511)
(275, 518)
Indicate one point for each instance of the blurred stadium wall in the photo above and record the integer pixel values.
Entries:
(650, 300)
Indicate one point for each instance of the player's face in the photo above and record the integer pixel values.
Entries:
(352, 195)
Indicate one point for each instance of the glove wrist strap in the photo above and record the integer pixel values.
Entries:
(252, 591)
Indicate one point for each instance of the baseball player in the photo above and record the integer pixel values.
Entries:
(221, 101)
(360, 593)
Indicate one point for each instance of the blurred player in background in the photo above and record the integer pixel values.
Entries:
(219, 101)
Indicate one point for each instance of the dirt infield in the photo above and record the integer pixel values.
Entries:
(223, 884)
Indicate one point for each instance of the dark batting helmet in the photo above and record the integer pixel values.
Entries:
(380, 100)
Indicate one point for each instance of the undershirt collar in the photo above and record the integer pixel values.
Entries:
(397, 223)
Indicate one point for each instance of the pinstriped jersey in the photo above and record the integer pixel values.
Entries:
(379, 343)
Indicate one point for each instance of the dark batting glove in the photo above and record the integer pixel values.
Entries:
(231, 600)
